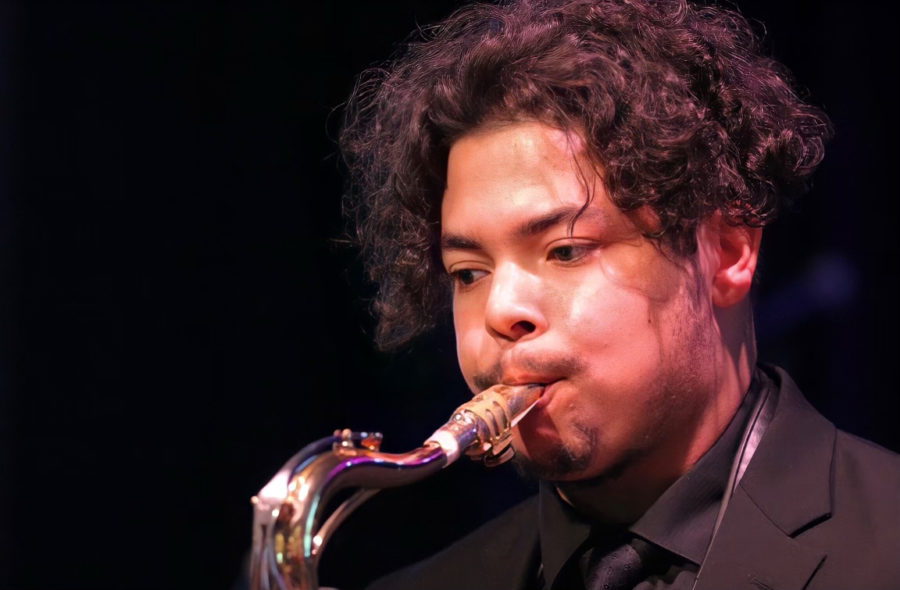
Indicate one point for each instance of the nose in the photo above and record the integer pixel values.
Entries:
(513, 310)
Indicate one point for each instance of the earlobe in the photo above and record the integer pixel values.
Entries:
(738, 250)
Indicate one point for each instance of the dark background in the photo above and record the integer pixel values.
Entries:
(177, 320)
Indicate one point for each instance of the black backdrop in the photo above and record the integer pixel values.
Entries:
(177, 319)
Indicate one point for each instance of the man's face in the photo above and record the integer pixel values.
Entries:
(619, 332)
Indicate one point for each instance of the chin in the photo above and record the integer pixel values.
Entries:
(546, 456)
(559, 469)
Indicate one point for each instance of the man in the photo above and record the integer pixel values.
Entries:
(587, 182)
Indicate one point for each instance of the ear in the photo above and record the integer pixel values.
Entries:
(737, 250)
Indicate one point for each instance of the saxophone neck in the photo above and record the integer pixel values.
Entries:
(288, 538)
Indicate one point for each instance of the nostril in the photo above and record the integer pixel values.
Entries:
(524, 327)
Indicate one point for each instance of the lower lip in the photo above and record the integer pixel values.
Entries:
(537, 423)
(545, 396)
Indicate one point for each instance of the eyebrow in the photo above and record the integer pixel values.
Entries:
(529, 228)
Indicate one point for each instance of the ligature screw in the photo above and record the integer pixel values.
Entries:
(372, 441)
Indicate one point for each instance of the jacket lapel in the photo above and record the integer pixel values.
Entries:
(750, 551)
(785, 490)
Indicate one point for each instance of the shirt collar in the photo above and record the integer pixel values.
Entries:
(562, 532)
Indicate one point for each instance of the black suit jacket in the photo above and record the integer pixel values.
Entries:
(816, 509)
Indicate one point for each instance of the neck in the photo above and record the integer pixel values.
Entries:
(613, 501)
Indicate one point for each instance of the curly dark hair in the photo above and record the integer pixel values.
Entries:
(676, 101)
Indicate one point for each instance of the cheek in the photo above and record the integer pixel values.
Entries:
(597, 306)
(468, 343)
(639, 267)
(626, 300)
(618, 329)
(468, 324)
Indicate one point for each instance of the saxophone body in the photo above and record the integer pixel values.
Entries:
(291, 524)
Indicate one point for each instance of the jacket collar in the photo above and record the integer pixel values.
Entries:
(785, 490)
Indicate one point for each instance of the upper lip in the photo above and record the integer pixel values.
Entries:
(528, 379)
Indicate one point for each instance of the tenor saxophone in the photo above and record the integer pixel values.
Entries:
(288, 539)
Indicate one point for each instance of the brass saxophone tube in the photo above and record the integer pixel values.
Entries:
(287, 537)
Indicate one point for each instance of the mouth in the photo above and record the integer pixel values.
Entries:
(545, 386)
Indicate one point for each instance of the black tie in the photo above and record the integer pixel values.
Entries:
(619, 569)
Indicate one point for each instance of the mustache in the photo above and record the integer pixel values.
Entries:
(549, 364)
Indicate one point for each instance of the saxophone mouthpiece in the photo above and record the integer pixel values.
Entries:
(482, 427)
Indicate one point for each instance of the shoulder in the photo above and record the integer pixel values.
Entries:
(861, 535)
(866, 486)
(858, 468)
(495, 555)
(817, 507)
(865, 450)
(859, 473)
(858, 530)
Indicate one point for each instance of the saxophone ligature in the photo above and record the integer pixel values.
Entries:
(287, 537)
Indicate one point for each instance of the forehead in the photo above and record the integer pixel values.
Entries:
(524, 167)
(530, 140)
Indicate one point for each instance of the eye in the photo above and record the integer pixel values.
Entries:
(565, 253)
(570, 252)
(466, 276)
